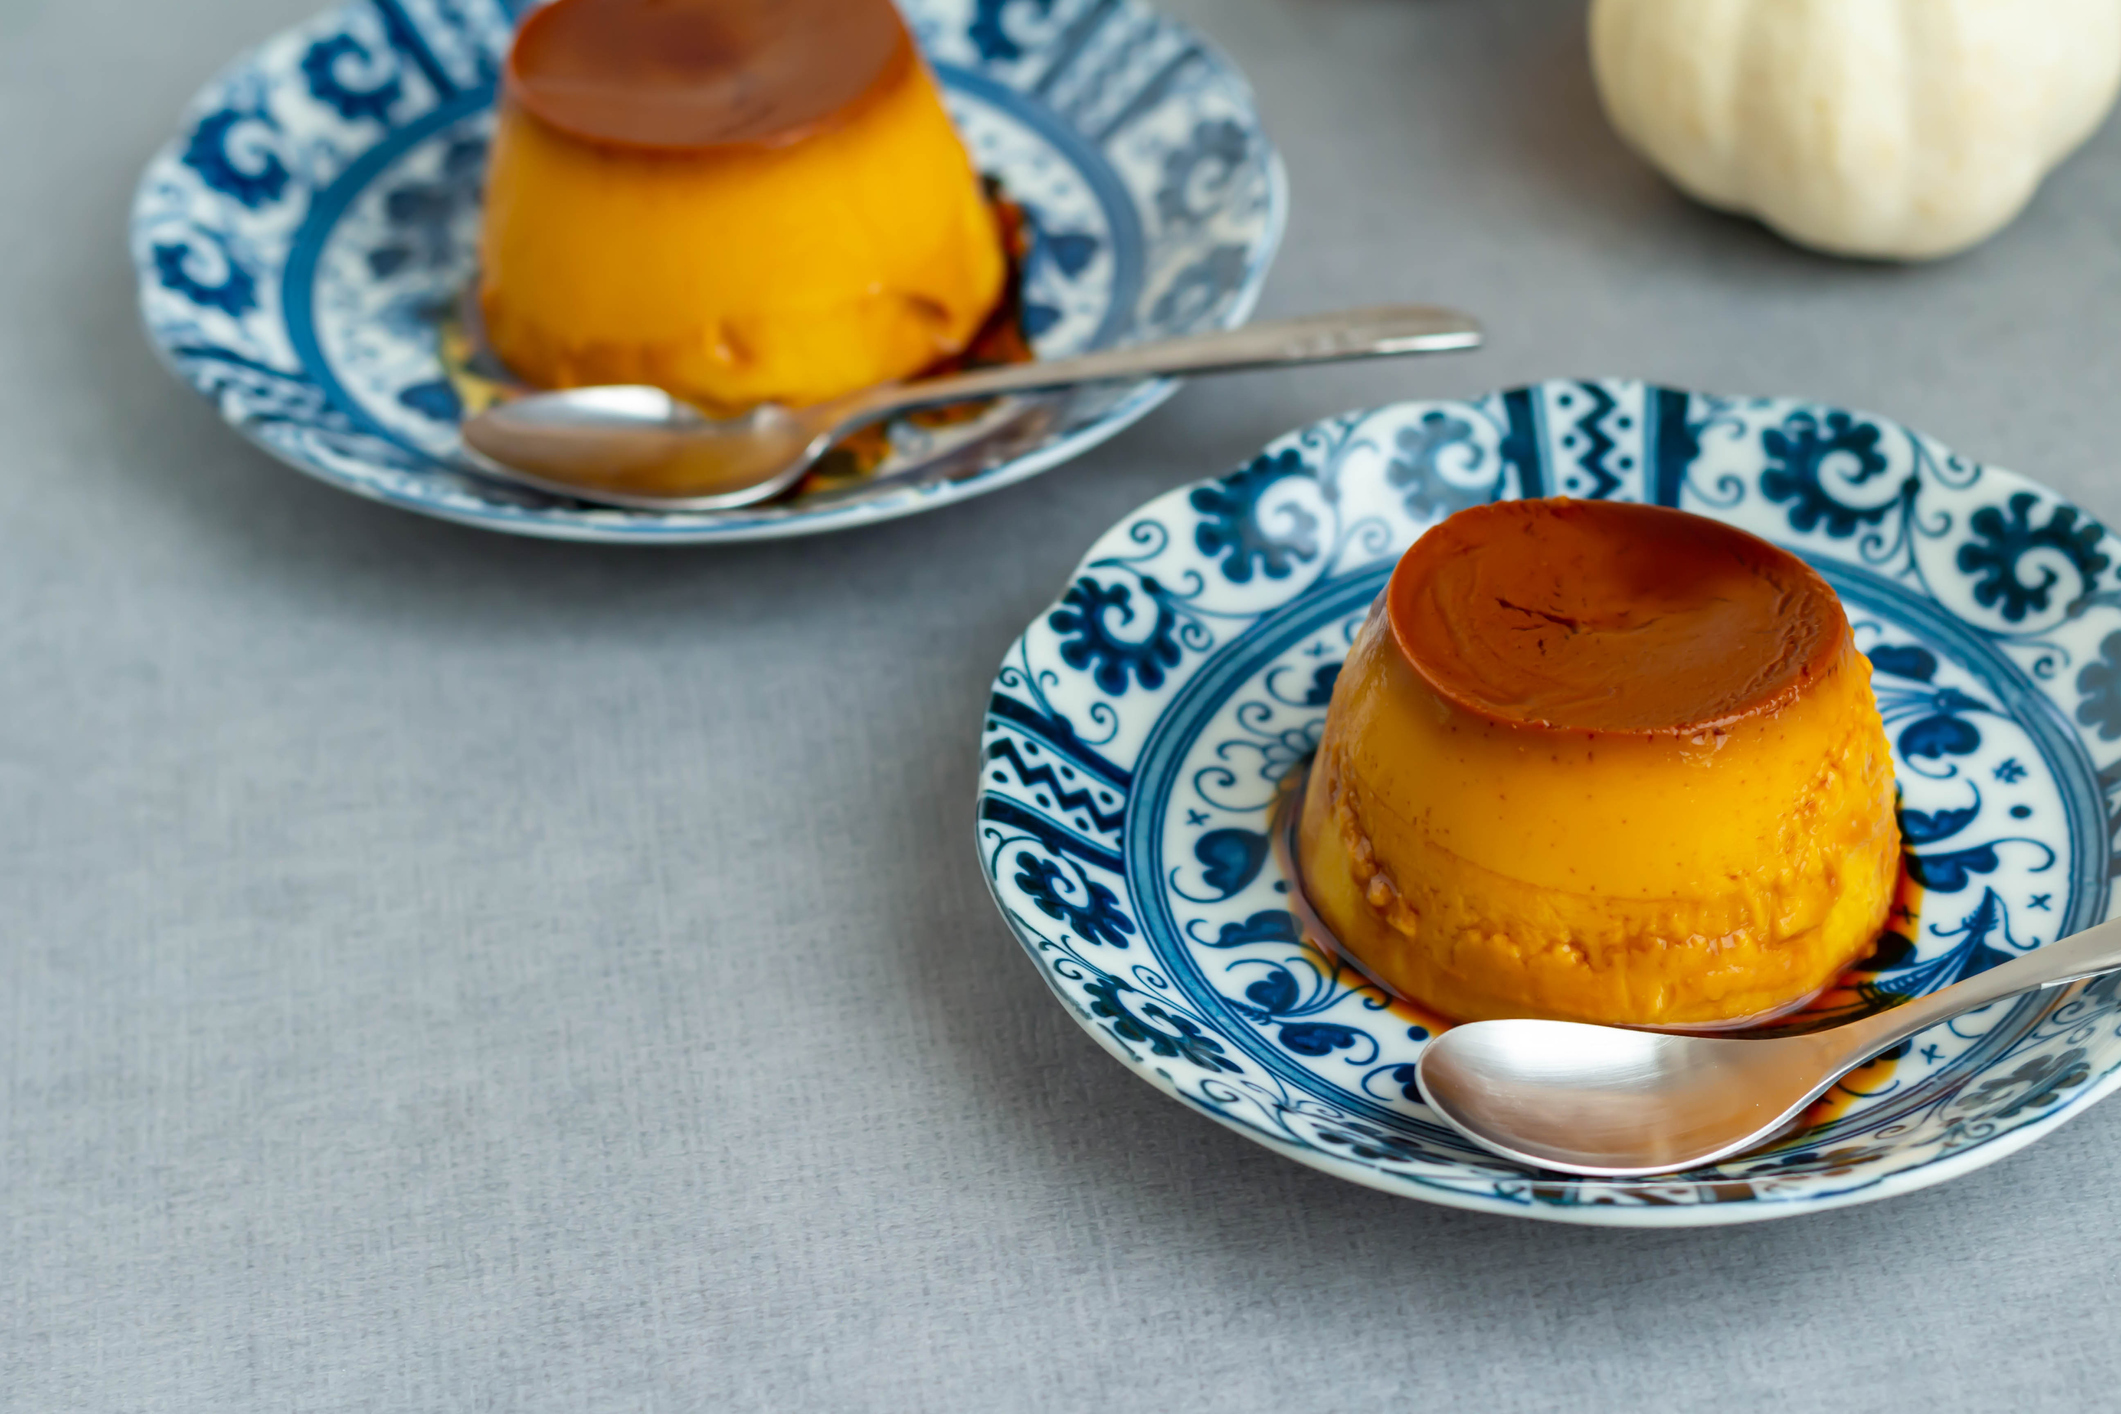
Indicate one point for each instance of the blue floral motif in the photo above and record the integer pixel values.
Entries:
(1406, 1078)
(1413, 466)
(1321, 1038)
(1086, 613)
(1285, 1098)
(1218, 144)
(990, 36)
(1275, 993)
(342, 103)
(2039, 1082)
(1230, 526)
(1074, 105)
(436, 398)
(235, 295)
(1939, 730)
(1183, 1038)
(320, 68)
(1808, 1160)
(1320, 693)
(1230, 859)
(1937, 737)
(269, 397)
(1367, 1141)
(1276, 998)
(1949, 873)
(1202, 286)
(2002, 541)
(1320, 1064)
(2100, 682)
(1894, 950)
(207, 154)
(1927, 827)
(1069, 252)
(1269, 925)
(1097, 919)
(422, 215)
(1907, 975)
(1797, 451)
(1906, 660)
(1038, 318)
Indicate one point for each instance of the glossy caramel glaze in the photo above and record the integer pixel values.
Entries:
(1665, 800)
(682, 75)
(1611, 617)
(708, 220)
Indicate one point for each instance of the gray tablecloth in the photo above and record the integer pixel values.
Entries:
(445, 972)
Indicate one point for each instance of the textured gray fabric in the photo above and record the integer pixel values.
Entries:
(444, 972)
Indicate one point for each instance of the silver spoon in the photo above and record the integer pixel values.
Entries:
(1619, 1103)
(638, 446)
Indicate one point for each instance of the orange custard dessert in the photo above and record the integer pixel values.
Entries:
(737, 200)
(1602, 762)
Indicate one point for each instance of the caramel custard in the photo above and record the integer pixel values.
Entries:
(737, 200)
(1602, 762)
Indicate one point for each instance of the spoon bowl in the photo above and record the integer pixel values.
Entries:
(1620, 1103)
(1603, 1100)
(640, 447)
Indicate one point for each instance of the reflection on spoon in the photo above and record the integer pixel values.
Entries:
(640, 447)
(1624, 1102)
(1607, 1101)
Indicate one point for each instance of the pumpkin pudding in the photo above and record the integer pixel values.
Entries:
(1602, 762)
(737, 200)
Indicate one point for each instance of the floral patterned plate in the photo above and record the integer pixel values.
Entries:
(1140, 728)
(302, 245)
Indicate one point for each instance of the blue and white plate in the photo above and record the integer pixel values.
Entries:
(300, 244)
(1138, 731)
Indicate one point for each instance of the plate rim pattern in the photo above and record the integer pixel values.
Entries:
(369, 69)
(1191, 531)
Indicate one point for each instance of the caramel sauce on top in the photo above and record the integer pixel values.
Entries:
(683, 75)
(1610, 617)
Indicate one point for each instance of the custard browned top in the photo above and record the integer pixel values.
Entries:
(1604, 616)
(683, 75)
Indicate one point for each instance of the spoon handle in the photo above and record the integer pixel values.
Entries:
(1317, 338)
(2087, 954)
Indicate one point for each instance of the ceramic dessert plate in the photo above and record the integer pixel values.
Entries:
(302, 246)
(1142, 728)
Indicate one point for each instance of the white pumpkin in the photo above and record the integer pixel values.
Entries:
(1895, 128)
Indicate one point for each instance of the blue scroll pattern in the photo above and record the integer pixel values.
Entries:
(1187, 668)
(316, 222)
